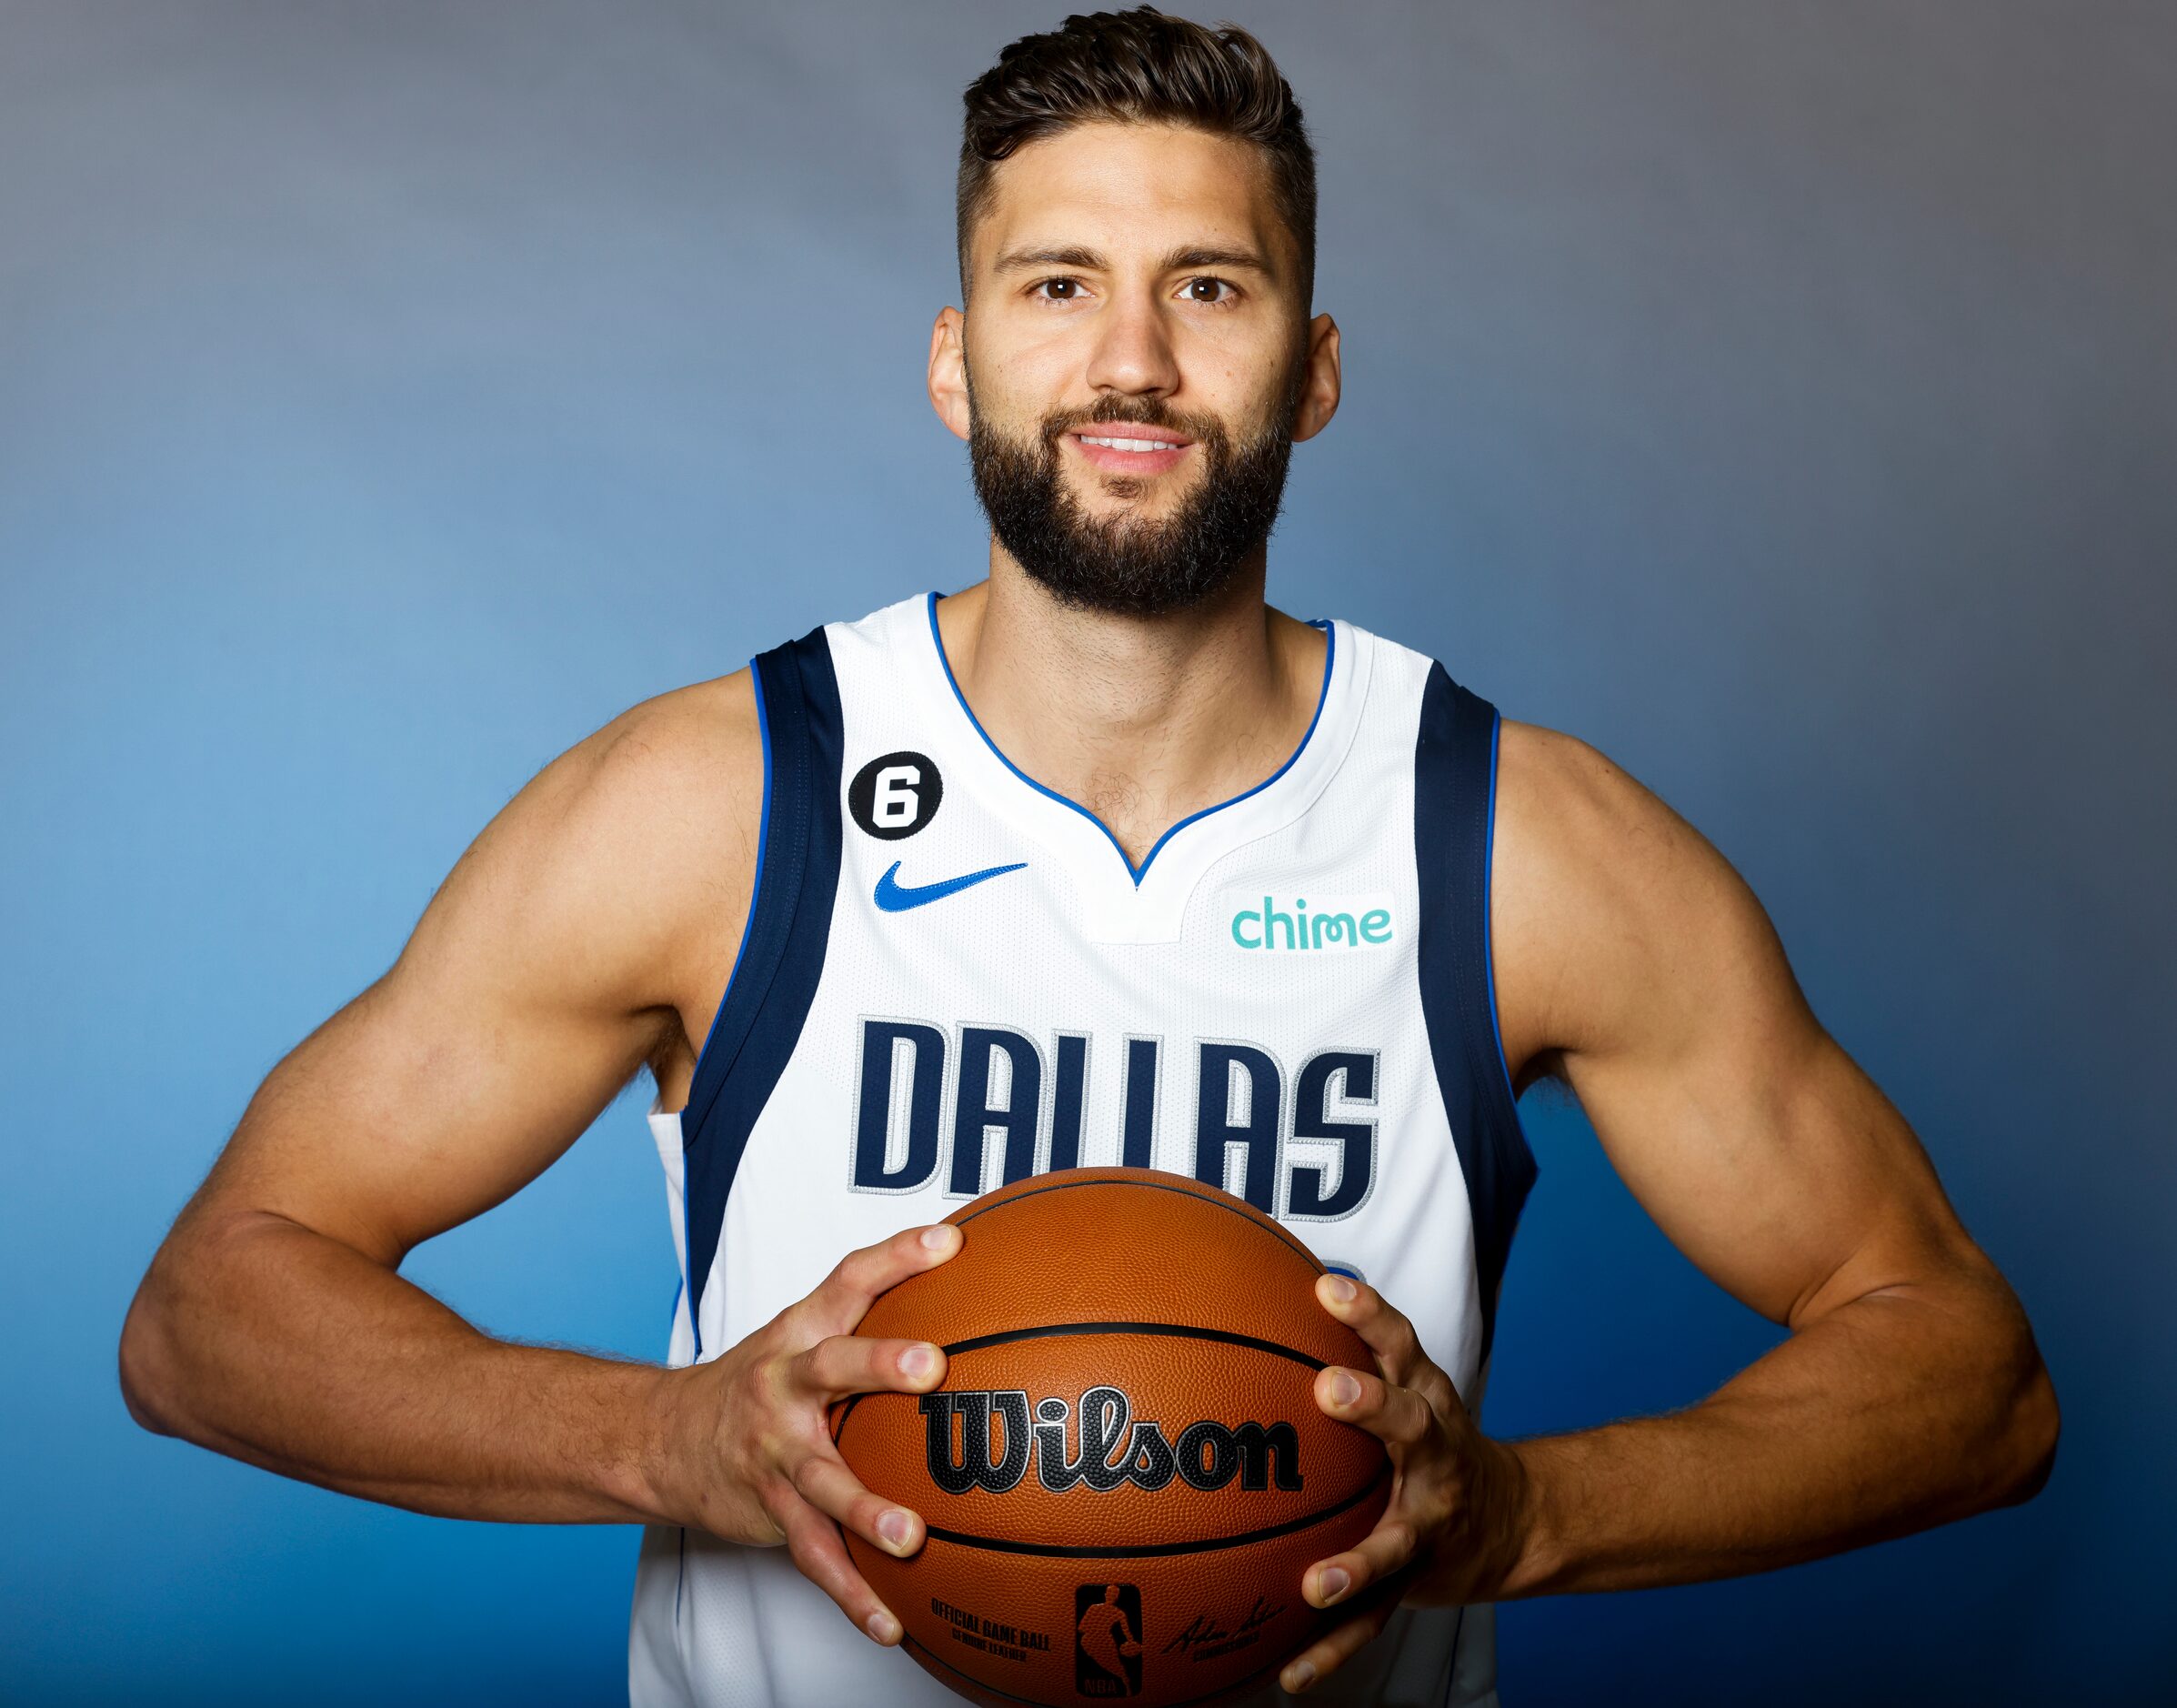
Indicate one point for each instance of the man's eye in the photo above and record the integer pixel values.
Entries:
(1069, 284)
(1195, 286)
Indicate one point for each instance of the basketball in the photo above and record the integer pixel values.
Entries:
(1125, 1471)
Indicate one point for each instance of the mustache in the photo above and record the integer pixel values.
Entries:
(1119, 412)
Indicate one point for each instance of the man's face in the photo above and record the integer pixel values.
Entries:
(1133, 278)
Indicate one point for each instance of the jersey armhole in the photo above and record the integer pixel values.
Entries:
(780, 960)
(755, 896)
(1454, 832)
(1509, 1095)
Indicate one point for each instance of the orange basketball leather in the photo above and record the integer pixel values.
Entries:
(1125, 1471)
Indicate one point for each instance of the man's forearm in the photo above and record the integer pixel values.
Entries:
(1905, 1408)
(278, 1345)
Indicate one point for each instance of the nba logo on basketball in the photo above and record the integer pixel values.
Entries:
(1106, 1640)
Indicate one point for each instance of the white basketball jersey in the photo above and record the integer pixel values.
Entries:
(952, 978)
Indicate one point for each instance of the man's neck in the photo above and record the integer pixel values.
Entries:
(1142, 721)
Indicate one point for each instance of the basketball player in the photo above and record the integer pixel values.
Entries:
(1103, 859)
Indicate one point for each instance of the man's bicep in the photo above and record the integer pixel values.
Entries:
(533, 989)
(1758, 1145)
(407, 1113)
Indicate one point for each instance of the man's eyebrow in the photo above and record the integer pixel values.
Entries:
(1187, 255)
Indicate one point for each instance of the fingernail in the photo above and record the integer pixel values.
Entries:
(938, 1238)
(881, 1627)
(894, 1527)
(1302, 1676)
(1333, 1584)
(1340, 1289)
(918, 1360)
(1345, 1388)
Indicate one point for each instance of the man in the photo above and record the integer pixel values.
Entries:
(1090, 816)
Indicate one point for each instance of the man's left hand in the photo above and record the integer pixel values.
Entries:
(1453, 1528)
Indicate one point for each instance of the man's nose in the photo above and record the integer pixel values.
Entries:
(1133, 353)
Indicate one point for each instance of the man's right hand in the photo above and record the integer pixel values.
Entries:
(748, 1453)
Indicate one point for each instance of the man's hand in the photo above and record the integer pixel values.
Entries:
(747, 1449)
(1456, 1496)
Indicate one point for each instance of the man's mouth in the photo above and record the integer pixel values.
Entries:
(1131, 450)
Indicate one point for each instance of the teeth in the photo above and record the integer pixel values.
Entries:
(1130, 445)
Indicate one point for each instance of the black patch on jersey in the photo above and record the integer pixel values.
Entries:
(896, 795)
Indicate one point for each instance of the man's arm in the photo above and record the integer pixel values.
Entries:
(558, 956)
(1635, 960)
(273, 1325)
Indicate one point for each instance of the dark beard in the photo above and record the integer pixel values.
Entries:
(1122, 564)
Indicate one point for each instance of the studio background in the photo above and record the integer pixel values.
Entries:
(1781, 396)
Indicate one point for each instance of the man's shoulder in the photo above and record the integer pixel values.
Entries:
(1596, 882)
(681, 775)
(645, 821)
(684, 744)
(1564, 806)
(1553, 773)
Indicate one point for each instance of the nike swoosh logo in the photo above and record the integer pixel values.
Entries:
(895, 897)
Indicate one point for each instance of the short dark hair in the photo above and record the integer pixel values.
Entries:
(1137, 67)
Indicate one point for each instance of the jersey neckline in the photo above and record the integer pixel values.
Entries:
(1137, 873)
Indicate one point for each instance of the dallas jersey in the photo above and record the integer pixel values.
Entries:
(952, 977)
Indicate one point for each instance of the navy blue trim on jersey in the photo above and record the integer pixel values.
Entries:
(1138, 873)
(1454, 836)
(687, 1112)
(781, 956)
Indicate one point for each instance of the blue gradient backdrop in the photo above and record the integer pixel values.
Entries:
(1781, 396)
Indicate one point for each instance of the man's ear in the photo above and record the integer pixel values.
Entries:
(1319, 391)
(948, 370)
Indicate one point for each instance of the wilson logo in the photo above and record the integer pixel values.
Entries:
(1330, 923)
(1109, 1447)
